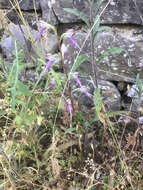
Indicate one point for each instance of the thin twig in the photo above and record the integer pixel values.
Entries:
(94, 66)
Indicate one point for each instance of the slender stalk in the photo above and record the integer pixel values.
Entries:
(66, 73)
(94, 66)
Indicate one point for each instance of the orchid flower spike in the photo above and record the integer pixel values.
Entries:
(52, 84)
(48, 65)
(49, 61)
(64, 51)
(84, 90)
(77, 79)
(69, 109)
(73, 42)
(69, 33)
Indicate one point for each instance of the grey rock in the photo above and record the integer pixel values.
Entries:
(123, 12)
(49, 44)
(136, 99)
(25, 5)
(133, 92)
(8, 43)
(5, 4)
(119, 12)
(117, 67)
(29, 17)
(141, 120)
(48, 14)
(110, 95)
(31, 75)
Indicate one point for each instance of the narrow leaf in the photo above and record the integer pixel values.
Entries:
(112, 114)
(97, 101)
(69, 130)
(96, 28)
(139, 84)
(23, 88)
(78, 62)
(99, 2)
(101, 28)
(114, 50)
(79, 14)
(96, 23)
(19, 102)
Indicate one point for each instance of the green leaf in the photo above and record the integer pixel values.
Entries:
(112, 114)
(18, 120)
(19, 102)
(99, 2)
(13, 93)
(14, 72)
(96, 28)
(25, 65)
(70, 130)
(114, 50)
(79, 61)
(79, 14)
(97, 101)
(101, 28)
(96, 23)
(56, 77)
(139, 84)
(23, 88)
(96, 118)
(2, 112)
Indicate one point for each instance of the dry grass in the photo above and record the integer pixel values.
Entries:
(37, 152)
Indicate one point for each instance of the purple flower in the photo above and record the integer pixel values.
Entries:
(42, 27)
(50, 57)
(52, 84)
(42, 30)
(73, 42)
(49, 61)
(69, 106)
(84, 90)
(42, 24)
(64, 51)
(69, 33)
(48, 65)
(77, 79)
(69, 109)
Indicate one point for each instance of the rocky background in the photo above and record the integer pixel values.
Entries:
(116, 74)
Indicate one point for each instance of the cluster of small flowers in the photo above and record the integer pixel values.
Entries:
(50, 61)
(82, 88)
(69, 35)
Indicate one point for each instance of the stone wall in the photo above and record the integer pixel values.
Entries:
(124, 17)
(117, 12)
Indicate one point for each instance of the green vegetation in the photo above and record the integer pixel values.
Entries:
(48, 143)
